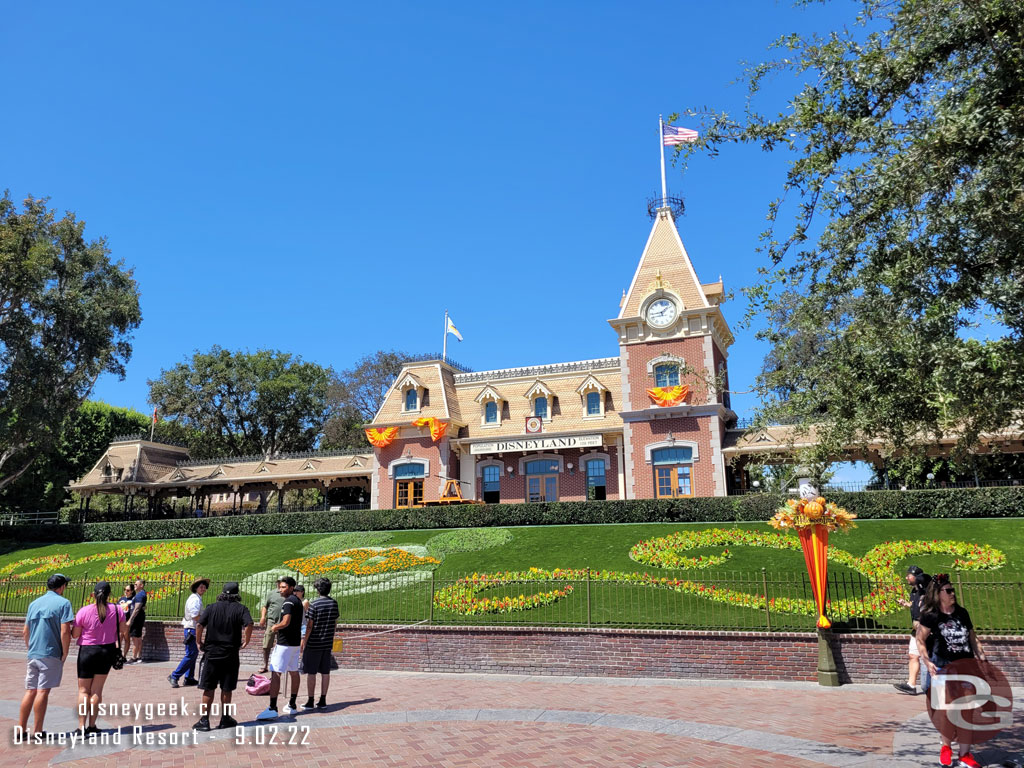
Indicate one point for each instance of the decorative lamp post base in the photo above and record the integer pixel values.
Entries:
(828, 675)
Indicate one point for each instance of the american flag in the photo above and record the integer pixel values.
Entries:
(672, 135)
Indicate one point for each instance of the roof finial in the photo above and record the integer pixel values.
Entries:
(623, 299)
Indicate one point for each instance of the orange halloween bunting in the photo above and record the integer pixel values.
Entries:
(382, 438)
(437, 428)
(666, 396)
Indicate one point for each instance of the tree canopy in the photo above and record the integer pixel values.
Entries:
(903, 261)
(243, 403)
(66, 316)
(358, 393)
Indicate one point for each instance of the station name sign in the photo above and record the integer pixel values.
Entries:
(537, 444)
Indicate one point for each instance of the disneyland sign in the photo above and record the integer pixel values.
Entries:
(537, 444)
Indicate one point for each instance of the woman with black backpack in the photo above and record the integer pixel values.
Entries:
(101, 630)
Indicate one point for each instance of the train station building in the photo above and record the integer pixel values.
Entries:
(648, 422)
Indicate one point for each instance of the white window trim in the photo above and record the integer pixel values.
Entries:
(489, 463)
(410, 460)
(593, 456)
(537, 456)
(489, 398)
(665, 358)
(551, 406)
(601, 398)
(671, 443)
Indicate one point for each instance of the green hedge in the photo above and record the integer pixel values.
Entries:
(951, 503)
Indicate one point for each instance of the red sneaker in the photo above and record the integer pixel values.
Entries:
(945, 755)
(968, 761)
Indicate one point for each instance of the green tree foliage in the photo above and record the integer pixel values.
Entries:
(357, 394)
(66, 316)
(84, 438)
(244, 403)
(908, 184)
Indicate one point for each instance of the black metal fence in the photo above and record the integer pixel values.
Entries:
(702, 600)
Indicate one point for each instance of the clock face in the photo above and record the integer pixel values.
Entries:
(661, 313)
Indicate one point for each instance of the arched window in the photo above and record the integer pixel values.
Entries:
(540, 407)
(594, 403)
(492, 484)
(596, 489)
(490, 412)
(542, 467)
(673, 471)
(410, 399)
(666, 375)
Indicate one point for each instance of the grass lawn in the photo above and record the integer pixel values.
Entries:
(406, 596)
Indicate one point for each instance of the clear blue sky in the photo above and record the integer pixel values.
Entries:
(327, 178)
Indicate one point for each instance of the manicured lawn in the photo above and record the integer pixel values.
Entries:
(406, 597)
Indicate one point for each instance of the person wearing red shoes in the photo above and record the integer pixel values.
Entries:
(945, 635)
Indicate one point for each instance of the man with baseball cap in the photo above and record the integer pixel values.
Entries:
(219, 636)
(47, 634)
(193, 607)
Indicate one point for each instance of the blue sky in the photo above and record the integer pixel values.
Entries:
(328, 178)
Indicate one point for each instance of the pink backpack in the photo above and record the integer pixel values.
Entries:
(258, 685)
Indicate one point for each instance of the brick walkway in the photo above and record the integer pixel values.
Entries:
(417, 719)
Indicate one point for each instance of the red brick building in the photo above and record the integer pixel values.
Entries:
(647, 423)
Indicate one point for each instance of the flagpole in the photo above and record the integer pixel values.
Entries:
(444, 344)
(661, 151)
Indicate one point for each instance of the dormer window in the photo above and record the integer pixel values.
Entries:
(490, 406)
(541, 400)
(414, 394)
(666, 375)
(592, 396)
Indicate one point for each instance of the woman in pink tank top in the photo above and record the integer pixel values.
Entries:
(101, 628)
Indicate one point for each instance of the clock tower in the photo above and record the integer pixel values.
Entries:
(673, 345)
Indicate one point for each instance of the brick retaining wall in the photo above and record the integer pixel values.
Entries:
(863, 658)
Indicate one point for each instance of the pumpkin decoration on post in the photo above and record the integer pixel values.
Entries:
(813, 519)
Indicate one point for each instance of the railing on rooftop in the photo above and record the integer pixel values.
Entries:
(275, 457)
(856, 487)
(747, 422)
(539, 370)
(429, 357)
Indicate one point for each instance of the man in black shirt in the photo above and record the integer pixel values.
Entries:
(219, 636)
(285, 656)
(317, 642)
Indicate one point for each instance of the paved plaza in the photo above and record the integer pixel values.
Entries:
(421, 719)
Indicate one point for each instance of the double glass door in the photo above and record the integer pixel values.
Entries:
(408, 493)
(542, 488)
(671, 482)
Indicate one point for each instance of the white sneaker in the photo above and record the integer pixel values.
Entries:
(267, 714)
(289, 710)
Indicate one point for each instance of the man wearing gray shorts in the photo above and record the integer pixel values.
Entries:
(47, 635)
(318, 641)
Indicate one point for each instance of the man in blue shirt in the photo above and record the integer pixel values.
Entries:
(47, 635)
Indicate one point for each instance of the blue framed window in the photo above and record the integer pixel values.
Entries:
(666, 375)
(596, 480)
(410, 400)
(542, 467)
(408, 471)
(491, 477)
(540, 407)
(490, 414)
(593, 403)
(674, 455)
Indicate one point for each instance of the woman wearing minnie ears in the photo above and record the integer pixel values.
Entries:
(948, 629)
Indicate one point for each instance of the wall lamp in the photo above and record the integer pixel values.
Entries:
(571, 467)
(510, 471)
